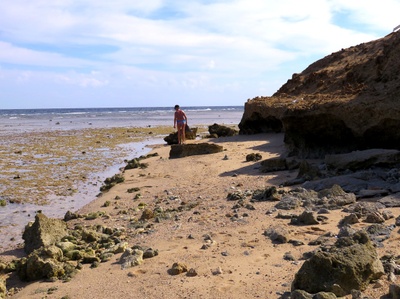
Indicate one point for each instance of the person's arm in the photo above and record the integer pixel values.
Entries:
(184, 115)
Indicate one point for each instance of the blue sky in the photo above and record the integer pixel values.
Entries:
(94, 53)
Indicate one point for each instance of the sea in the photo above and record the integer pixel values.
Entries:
(14, 217)
(25, 120)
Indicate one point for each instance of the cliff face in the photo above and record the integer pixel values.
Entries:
(346, 101)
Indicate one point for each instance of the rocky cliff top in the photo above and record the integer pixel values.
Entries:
(345, 101)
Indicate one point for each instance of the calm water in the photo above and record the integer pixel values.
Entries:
(25, 120)
(14, 217)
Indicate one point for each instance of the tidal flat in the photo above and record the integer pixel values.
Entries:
(46, 170)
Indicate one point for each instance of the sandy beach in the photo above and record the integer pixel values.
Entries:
(222, 243)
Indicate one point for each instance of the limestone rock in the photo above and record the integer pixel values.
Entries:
(190, 134)
(358, 160)
(221, 131)
(343, 102)
(43, 232)
(131, 257)
(184, 150)
(46, 262)
(351, 264)
(3, 289)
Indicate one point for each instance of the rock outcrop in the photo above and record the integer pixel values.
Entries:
(190, 134)
(43, 232)
(351, 264)
(347, 101)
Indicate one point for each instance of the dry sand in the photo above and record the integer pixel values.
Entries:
(240, 262)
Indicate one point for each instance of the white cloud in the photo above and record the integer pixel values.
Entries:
(143, 48)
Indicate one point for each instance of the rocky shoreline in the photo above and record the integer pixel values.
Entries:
(222, 224)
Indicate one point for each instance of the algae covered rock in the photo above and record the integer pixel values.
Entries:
(3, 289)
(43, 232)
(351, 264)
(47, 263)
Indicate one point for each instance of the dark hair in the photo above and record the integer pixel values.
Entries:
(176, 106)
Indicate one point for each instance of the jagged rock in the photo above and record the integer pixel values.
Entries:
(3, 289)
(305, 218)
(288, 202)
(349, 219)
(351, 264)
(131, 257)
(374, 217)
(184, 150)
(343, 102)
(43, 232)
(277, 234)
(190, 134)
(46, 262)
(221, 131)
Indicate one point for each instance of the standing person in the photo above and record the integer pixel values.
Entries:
(180, 122)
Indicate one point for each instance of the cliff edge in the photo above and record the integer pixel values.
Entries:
(348, 100)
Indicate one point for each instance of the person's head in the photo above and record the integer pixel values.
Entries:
(176, 107)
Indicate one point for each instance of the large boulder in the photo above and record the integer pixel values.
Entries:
(221, 131)
(351, 264)
(347, 101)
(43, 232)
(190, 134)
(184, 150)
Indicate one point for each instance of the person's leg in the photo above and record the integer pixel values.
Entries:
(183, 132)
(179, 134)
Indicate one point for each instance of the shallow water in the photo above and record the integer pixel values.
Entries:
(15, 127)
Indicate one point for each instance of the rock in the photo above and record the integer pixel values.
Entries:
(3, 289)
(267, 194)
(289, 202)
(324, 295)
(358, 160)
(343, 102)
(190, 134)
(306, 218)
(184, 150)
(277, 234)
(253, 157)
(191, 273)
(375, 217)
(46, 262)
(221, 131)
(394, 291)
(130, 258)
(391, 201)
(309, 171)
(178, 268)
(300, 294)
(273, 164)
(349, 219)
(43, 232)
(351, 263)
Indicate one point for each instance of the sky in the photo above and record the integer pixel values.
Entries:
(158, 53)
